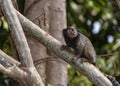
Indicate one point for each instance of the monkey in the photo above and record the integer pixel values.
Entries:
(83, 48)
(80, 44)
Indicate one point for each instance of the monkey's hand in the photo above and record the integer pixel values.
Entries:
(81, 59)
(69, 49)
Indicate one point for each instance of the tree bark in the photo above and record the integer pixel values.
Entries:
(56, 69)
(37, 12)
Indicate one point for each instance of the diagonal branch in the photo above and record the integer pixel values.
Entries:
(13, 72)
(7, 60)
(54, 45)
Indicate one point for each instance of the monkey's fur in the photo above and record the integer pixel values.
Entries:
(83, 48)
(80, 43)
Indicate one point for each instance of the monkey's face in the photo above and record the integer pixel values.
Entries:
(71, 33)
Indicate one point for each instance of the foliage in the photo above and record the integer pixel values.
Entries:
(77, 79)
(21, 5)
(99, 20)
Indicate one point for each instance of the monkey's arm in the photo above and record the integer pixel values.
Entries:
(78, 51)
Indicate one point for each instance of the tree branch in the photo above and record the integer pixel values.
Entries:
(20, 40)
(17, 33)
(13, 72)
(54, 45)
(7, 60)
(10, 69)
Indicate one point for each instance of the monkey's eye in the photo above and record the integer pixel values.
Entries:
(72, 29)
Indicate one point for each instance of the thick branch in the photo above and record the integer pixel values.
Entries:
(17, 33)
(7, 60)
(54, 45)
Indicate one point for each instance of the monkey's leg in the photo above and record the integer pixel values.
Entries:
(78, 54)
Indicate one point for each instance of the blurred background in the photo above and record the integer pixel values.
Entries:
(99, 20)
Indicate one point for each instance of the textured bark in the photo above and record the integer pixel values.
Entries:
(56, 69)
(37, 12)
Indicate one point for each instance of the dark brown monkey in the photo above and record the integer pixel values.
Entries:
(83, 48)
(80, 43)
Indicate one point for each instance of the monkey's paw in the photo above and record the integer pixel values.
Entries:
(65, 47)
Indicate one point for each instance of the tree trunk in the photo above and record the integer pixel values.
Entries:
(56, 68)
(37, 12)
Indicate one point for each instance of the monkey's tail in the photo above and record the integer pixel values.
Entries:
(113, 80)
